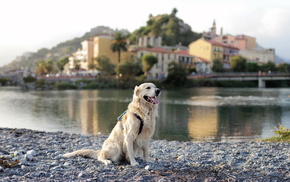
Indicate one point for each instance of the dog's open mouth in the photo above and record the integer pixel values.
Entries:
(152, 100)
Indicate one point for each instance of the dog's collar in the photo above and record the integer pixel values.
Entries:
(137, 116)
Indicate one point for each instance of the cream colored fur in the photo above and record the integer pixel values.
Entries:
(124, 140)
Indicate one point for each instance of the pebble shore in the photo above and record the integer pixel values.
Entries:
(38, 156)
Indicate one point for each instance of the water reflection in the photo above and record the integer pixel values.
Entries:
(203, 123)
(193, 114)
(95, 111)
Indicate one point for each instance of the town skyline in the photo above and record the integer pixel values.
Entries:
(267, 22)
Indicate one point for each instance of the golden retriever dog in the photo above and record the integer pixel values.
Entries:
(132, 133)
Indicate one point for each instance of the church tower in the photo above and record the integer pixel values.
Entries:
(211, 34)
(213, 30)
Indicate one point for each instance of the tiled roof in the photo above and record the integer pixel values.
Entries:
(154, 49)
(221, 44)
(183, 52)
(203, 60)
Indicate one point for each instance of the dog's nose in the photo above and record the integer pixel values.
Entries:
(157, 92)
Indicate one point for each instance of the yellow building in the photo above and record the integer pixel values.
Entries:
(206, 50)
(211, 50)
(88, 51)
(102, 47)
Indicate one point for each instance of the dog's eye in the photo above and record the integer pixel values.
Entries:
(148, 87)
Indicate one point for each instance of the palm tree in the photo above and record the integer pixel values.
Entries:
(40, 67)
(43, 67)
(77, 64)
(62, 62)
(119, 44)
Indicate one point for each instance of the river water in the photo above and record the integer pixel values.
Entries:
(214, 114)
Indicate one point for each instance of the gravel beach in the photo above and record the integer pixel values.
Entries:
(27, 155)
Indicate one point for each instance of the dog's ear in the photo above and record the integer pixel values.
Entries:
(136, 91)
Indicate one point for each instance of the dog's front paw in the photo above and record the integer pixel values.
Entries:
(107, 162)
(134, 163)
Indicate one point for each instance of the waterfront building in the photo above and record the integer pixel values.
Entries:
(202, 66)
(248, 48)
(92, 48)
(160, 70)
(210, 50)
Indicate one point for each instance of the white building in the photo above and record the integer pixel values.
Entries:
(260, 56)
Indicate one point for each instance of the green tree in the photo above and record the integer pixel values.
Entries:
(40, 68)
(172, 31)
(129, 69)
(62, 62)
(49, 66)
(174, 11)
(77, 64)
(238, 63)
(148, 60)
(218, 66)
(92, 66)
(269, 66)
(283, 67)
(252, 67)
(3, 81)
(43, 67)
(177, 75)
(119, 44)
(104, 65)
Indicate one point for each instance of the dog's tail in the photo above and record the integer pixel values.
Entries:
(84, 153)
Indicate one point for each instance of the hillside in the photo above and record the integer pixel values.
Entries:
(172, 29)
(61, 50)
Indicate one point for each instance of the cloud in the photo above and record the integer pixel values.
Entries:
(275, 22)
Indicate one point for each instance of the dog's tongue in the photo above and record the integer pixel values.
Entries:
(154, 100)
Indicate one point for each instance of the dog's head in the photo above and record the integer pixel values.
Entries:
(147, 92)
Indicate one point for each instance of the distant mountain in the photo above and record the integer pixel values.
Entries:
(61, 50)
(279, 60)
(172, 29)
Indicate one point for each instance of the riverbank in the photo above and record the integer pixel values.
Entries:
(37, 155)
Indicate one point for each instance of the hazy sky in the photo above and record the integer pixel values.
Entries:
(28, 25)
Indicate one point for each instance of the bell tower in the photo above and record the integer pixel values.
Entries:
(213, 30)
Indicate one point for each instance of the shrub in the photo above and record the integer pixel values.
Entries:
(40, 84)
(65, 86)
(3, 81)
(29, 79)
(282, 131)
